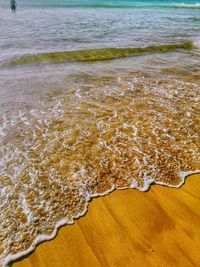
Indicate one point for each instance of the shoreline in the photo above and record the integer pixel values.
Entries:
(58, 255)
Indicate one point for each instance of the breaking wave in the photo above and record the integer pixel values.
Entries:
(185, 5)
(94, 54)
(115, 4)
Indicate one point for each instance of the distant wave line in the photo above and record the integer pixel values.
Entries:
(119, 5)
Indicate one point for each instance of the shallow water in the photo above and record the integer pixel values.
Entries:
(75, 124)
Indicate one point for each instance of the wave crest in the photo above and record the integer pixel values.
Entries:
(95, 54)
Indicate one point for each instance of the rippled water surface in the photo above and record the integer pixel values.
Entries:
(94, 96)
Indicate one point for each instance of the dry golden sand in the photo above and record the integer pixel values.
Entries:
(130, 228)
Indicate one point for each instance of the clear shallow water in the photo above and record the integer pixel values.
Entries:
(74, 125)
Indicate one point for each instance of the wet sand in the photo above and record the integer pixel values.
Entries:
(130, 228)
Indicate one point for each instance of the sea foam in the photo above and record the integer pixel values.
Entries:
(129, 132)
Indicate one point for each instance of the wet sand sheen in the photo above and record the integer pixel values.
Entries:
(130, 228)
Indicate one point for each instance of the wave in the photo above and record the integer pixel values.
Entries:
(114, 4)
(119, 4)
(133, 5)
(185, 5)
(94, 54)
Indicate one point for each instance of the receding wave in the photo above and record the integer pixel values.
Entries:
(95, 54)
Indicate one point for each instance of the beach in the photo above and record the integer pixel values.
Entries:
(130, 228)
(100, 99)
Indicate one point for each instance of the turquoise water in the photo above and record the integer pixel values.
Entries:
(103, 3)
(94, 96)
(42, 27)
(39, 26)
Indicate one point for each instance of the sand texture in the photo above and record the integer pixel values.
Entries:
(130, 228)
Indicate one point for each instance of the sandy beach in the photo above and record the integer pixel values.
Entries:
(97, 95)
(130, 228)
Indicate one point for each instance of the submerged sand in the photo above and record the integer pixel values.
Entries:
(130, 228)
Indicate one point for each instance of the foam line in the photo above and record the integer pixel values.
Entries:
(42, 238)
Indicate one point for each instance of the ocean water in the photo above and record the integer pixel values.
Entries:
(94, 96)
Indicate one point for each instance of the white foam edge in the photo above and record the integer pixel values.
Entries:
(183, 176)
(42, 238)
(185, 4)
(64, 221)
(147, 184)
(104, 193)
